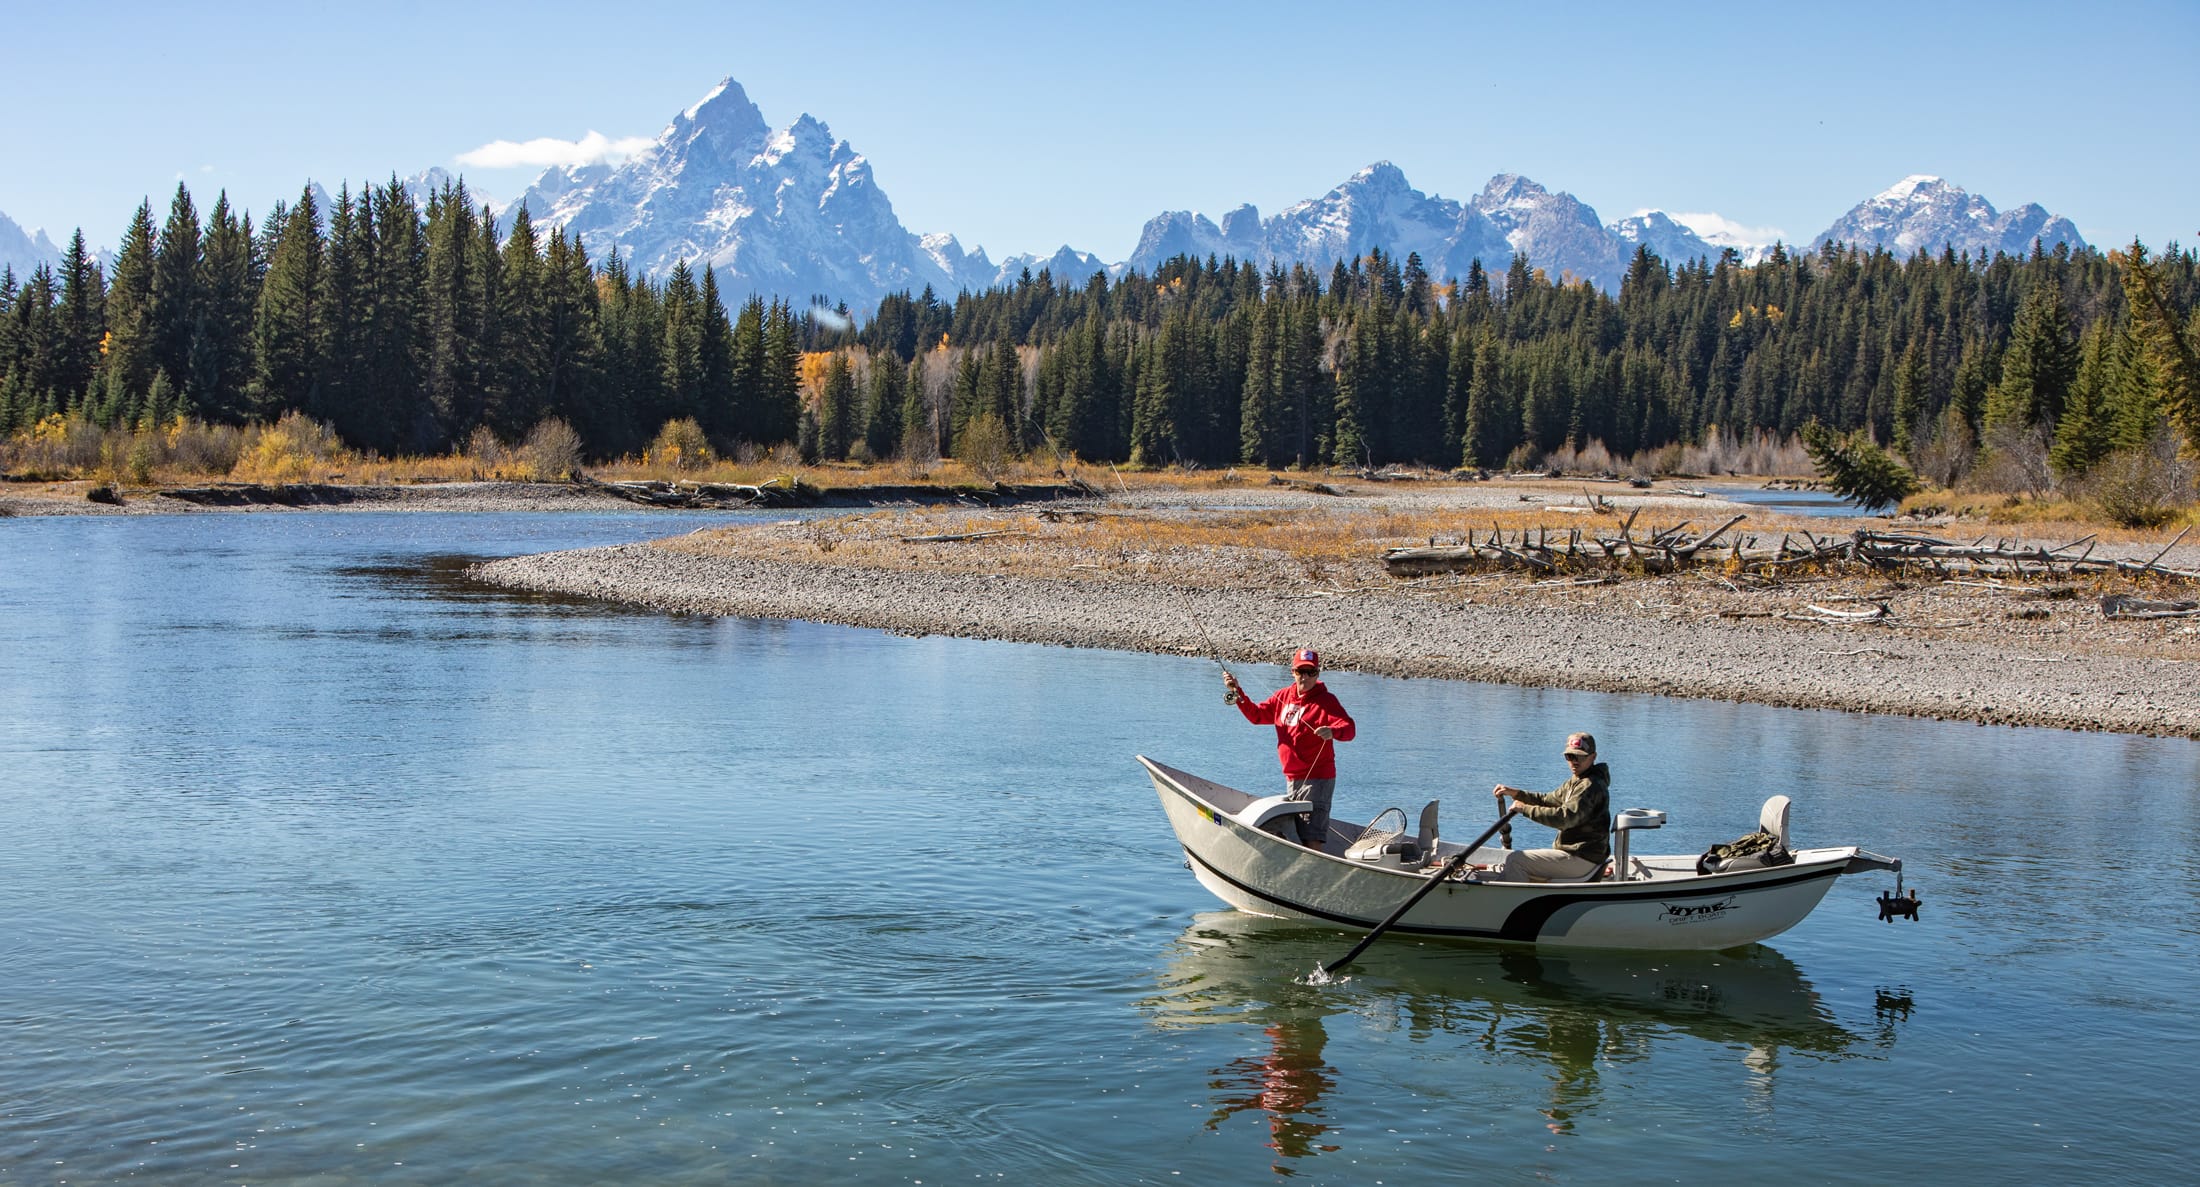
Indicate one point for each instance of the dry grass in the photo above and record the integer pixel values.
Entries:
(2038, 516)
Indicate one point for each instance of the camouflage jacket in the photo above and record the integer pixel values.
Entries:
(1580, 809)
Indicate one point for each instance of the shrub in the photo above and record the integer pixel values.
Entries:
(484, 451)
(680, 445)
(203, 448)
(144, 453)
(294, 449)
(552, 451)
(1947, 455)
(983, 445)
(2140, 488)
(2013, 460)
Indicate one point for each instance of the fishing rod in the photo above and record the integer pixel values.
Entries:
(1213, 652)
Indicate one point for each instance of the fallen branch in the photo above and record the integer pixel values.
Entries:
(2123, 606)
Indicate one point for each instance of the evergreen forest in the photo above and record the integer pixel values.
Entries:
(408, 331)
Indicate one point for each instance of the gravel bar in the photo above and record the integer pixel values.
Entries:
(1516, 640)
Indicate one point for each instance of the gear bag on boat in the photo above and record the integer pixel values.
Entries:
(1768, 846)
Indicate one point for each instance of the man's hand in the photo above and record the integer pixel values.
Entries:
(1230, 683)
(1324, 733)
(1501, 791)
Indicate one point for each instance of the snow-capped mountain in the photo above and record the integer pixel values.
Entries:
(1376, 207)
(1925, 213)
(790, 212)
(794, 212)
(24, 250)
(1675, 241)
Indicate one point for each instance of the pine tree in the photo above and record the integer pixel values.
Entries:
(398, 323)
(2171, 347)
(836, 409)
(287, 329)
(719, 396)
(83, 321)
(220, 357)
(1909, 397)
(33, 336)
(573, 323)
(2083, 435)
(920, 439)
(341, 325)
(1260, 408)
(129, 366)
(780, 391)
(683, 346)
(462, 307)
(883, 400)
(2038, 366)
(1855, 468)
(174, 311)
(747, 385)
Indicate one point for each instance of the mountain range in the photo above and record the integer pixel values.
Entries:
(797, 213)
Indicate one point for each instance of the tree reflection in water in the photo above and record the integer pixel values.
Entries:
(1575, 1013)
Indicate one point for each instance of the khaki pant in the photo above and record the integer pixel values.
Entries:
(1541, 865)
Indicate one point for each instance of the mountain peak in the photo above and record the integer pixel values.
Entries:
(1926, 213)
(727, 98)
(1382, 175)
(1509, 189)
(722, 123)
(1909, 186)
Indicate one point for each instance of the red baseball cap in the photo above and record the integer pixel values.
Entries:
(1306, 657)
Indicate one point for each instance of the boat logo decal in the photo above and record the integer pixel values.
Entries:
(1679, 913)
(1206, 813)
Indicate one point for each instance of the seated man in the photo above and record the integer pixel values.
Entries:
(1579, 809)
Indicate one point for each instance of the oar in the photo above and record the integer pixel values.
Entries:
(1450, 867)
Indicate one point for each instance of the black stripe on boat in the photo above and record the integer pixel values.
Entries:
(1525, 924)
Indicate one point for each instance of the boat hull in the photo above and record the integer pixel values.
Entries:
(1261, 873)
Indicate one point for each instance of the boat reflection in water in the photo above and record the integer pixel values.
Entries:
(1576, 1012)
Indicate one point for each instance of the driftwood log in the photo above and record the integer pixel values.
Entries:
(1553, 552)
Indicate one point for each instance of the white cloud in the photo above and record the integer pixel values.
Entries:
(546, 150)
(1721, 231)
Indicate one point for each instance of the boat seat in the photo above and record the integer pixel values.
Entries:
(1773, 818)
(1264, 811)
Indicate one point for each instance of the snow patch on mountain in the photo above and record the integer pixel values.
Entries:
(1378, 208)
(1926, 213)
(24, 250)
(792, 212)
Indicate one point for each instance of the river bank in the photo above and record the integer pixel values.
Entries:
(1251, 572)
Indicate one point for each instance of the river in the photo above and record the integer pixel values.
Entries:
(322, 866)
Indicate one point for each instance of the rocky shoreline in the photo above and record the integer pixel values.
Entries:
(1667, 636)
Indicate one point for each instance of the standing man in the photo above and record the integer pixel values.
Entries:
(1579, 808)
(1308, 721)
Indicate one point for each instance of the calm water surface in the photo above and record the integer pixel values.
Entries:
(1822, 503)
(323, 867)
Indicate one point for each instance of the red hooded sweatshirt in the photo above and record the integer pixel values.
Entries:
(1305, 754)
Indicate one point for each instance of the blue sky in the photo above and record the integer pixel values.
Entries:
(1021, 127)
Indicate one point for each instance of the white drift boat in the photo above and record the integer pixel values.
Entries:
(1360, 876)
